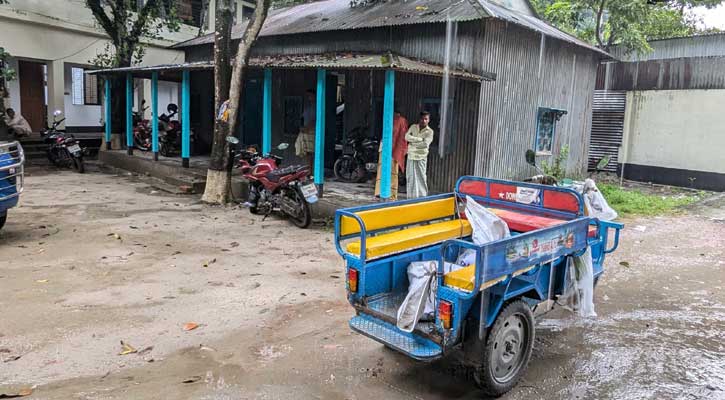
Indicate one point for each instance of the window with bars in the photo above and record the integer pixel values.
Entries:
(84, 88)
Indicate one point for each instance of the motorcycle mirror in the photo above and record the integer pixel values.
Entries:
(57, 113)
(531, 157)
(232, 140)
(283, 146)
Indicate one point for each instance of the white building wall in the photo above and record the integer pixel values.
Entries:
(682, 129)
(62, 33)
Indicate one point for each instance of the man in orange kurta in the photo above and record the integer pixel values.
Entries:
(400, 148)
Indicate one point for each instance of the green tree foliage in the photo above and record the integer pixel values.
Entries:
(128, 25)
(629, 23)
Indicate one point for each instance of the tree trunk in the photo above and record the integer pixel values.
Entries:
(214, 192)
(217, 179)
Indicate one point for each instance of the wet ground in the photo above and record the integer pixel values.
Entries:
(92, 260)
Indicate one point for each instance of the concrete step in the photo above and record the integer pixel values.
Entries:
(185, 179)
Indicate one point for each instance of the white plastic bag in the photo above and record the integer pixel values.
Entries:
(596, 203)
(467, 257)
(420, 299)
(578, 294)
(487, 226)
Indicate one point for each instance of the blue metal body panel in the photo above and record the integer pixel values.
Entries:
(155, 112)
(7, 188)
(506, 261)
(267, 113)
(320, 127)
(414, 346)
(185, 114)
(387, 151)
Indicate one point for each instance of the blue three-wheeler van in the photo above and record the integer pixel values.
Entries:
(484, 311)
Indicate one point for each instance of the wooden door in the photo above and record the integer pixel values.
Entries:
(32, 93)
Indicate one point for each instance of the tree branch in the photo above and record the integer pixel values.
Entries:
(254, 26)
(142, 18)
(103, 19)
(598, 33)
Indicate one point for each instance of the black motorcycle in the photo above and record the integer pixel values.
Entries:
(64, 150)
(359, 158)
(170, 141)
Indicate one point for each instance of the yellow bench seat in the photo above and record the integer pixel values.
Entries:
(465, 278)
(411, 238)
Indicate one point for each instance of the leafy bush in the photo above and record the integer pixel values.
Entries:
(557, 169)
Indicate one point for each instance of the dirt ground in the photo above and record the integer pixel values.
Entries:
(91, 260)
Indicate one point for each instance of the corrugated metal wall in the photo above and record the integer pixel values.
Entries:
(673, 74)
(532, 73)
(607, 128)
(491, 135)
(694, 46)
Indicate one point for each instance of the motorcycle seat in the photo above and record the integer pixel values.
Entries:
(277, 174)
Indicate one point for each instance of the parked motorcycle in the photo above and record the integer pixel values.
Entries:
(141, 129)
(359, 157)
(170, 141)
(63, 149)
(272, 188)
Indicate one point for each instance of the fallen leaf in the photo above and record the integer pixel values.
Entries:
(210, 262)
(11, 358)
(146, 350)
(234, 244)
(624, 264)
(41, 281)
(190, 326)
(421, 8)
(133, 227)
(126, 349)
(195, 378)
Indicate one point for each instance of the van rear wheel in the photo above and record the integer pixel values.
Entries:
(508, 349)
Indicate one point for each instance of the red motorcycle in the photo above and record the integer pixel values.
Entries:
(272, 188)
(141, 129)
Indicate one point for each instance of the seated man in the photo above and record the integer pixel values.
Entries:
(17, 125)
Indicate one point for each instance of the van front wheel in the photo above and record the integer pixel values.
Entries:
(508, 349)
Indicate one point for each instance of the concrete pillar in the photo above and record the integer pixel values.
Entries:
(386, 168)
(56, 89)
(267, 113)
(320, 130)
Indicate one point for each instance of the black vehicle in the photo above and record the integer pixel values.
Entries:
(170, 140)
(359, 157)
(64, 150)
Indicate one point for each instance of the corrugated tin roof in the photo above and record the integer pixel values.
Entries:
(328, 61)
(534, 24)
(362, 61)
(332, 15)
(709, 45)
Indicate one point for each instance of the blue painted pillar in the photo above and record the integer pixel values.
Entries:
(320, 129)
(155, 114)
(386, 168)
(107, 106)
(129, 113)
(185, 120)
(267, 113)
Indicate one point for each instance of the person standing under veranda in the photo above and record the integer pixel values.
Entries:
(419, 138)
(400, 147)
(305, 143)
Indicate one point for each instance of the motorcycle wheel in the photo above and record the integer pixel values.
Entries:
(305, 218)
(346, 169)
(164, 148)
(78, 165)
(141, 144)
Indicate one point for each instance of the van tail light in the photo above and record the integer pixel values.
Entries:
(445, 314)
(352, 279)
